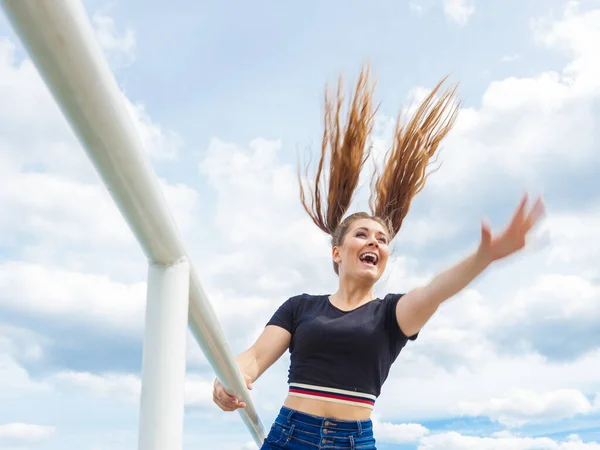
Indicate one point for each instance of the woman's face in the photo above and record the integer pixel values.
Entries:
(364, 251)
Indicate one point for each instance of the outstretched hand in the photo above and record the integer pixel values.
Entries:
(514, 237)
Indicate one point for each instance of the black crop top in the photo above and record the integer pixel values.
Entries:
(340, 356)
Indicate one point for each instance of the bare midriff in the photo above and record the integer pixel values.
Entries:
(327, 409)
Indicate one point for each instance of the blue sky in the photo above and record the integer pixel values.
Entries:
(224, 97)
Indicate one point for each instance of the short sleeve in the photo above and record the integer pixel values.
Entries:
(391, 319)
(286, 315)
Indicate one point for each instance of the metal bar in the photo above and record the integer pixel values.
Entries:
(61, 42)
(164, 358)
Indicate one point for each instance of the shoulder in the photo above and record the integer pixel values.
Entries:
(291, 310)
(313, 296)
(308, 297)
(310, 302)
(390, 297)
(389, 304)
(304, 299)
(390, 300)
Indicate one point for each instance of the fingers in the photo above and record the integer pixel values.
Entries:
(248, 382)
(226, 404)
(486, 232)
(525, 218)
(519, 214)
(225, 401)
(229, 403)
(538, 210)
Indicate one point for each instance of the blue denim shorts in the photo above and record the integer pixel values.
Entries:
(293, 430)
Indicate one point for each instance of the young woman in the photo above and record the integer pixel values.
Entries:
(343, 345)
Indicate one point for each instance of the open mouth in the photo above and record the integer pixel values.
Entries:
(369, 258)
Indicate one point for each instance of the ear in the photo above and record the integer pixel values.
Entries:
(335, 254)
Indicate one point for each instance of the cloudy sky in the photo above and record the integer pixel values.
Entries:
(225, 97)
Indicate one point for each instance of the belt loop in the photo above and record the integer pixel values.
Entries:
(359, 427)
(290, 414)
(351, 442)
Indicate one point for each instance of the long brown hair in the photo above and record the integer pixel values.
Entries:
(415, 144)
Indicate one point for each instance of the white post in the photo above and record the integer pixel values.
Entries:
(163, 364)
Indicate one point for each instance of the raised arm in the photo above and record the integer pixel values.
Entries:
(267, 349)
(416, 307)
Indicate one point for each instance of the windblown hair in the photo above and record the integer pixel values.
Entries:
(414, 146)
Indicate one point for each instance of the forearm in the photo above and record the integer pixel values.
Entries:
(248, 364)
(267, 349)
(453, 280)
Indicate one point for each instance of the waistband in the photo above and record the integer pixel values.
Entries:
(349, 426)
(332, 395)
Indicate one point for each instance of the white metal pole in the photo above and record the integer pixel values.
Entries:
(61, 42)
(164, 357)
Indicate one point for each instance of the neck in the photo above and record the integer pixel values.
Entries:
(352, 293)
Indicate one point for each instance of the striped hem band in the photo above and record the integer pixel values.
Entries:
(332, 395)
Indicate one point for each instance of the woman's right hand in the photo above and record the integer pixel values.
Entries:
(225, 401)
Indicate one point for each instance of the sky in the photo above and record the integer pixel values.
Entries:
(226, 97)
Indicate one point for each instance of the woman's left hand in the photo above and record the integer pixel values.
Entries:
(514, 237)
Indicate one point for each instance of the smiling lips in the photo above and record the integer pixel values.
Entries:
(369, 258)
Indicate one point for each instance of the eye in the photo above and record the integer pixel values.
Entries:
(361, 233)
(383, 240)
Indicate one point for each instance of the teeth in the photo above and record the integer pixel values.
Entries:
(364, 255)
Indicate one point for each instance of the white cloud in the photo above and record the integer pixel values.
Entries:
(50, 195)
(457, 441)
(511, 57)
(256, 214)
(27, 105)
(160, 144)
(431, 391)
(555, 296)
(75, 225)
(399, 433)
(127, 387)
(576, 35)
(55, 208)
(26, 344)
(524, 407)
(119, 48)
(416, 6)
(25, 432)
(574, 242)
(198, 392)
(16, 380)
(84, 298)
(459, 11)
(531, 129)
(122, 387)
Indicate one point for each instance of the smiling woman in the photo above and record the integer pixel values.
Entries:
(343, 345)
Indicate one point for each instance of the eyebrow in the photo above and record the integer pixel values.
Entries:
(367, 229)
